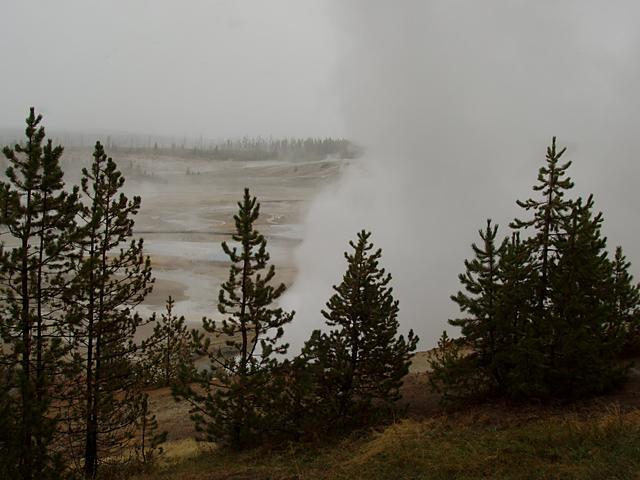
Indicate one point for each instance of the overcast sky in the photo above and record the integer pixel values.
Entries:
(216, 68)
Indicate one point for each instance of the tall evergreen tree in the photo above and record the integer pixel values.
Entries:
(362, 359)
(112, 276)
(240, 388)
(559, 304)
(481, 301)
(582, 349)
(548, 213)
(502, 353)
(38, 215)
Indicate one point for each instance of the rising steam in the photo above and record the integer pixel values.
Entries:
(455, 102)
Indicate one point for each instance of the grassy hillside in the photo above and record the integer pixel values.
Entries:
(595, 438)
(487, 444)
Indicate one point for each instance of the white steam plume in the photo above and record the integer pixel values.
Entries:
(455, 102)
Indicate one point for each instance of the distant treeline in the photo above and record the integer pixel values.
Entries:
(245, 148)
(289, 149)
(254, 149)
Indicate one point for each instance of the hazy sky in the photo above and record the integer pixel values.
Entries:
(199, 67)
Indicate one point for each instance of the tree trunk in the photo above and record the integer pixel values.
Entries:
(26, 455)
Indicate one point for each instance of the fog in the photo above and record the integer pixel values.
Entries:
(455, 102)
(216, 68)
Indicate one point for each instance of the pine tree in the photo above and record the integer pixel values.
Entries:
(240, 387)
(548, 214)
(168, 349)
(566, 346)
(453, 372)
(481, 301)
(504, 355)
(558, 308)
(111, 278)
(626, 304)
(149, 439)
(298, 411)
(519, 357)
(582, 348)
(38, 214)
(362, 360)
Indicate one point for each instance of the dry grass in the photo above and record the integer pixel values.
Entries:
(593, 439)
(184, 449)
(600, 446)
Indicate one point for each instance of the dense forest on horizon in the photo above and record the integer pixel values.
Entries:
(235, 148)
